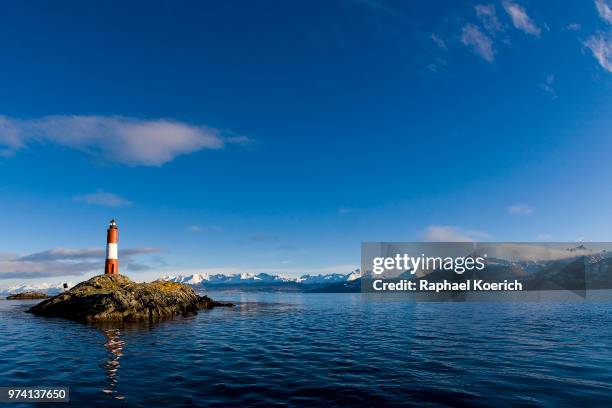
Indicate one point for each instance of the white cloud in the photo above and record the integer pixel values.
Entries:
(531, 252)
(129, 141)
(199, 228)
(288, 271)
(547, 86)
(438, 65)
(487, 15)
(71, 254)
(600, 44)
(103, 198)
(573, 27)
(445, 233)
(601, 47)
(604, 10)
(66, 261)
(520, 19)
(520, 209)
(481, 44)
(10, 137)
(344, 210)
(438, 41)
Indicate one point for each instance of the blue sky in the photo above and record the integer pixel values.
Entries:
(277, 136)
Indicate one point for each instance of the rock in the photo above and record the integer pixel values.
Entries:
(27, 295)
(117, 298)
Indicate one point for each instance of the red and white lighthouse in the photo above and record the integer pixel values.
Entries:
(112, 261)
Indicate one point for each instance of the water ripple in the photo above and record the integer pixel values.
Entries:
(332, 350)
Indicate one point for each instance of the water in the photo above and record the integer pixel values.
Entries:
(322, 349)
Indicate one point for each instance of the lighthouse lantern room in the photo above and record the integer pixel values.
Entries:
(112, 262)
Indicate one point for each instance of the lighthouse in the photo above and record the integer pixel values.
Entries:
(112, 261)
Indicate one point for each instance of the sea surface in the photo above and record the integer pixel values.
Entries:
(292, 349)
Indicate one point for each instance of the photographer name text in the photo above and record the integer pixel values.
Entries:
(446, 286)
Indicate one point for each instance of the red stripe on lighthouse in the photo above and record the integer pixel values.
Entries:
(112, 260)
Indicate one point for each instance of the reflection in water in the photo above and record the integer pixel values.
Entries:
(114, 345)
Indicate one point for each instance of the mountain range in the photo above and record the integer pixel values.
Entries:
(265, 281)
(243, 281)
(48, 288)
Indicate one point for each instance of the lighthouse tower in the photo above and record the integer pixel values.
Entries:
(112, 262)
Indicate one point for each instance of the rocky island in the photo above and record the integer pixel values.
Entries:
(27, 295)
(117, 298)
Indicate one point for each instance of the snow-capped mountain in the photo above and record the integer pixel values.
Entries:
(356, 274)
(48, 288)
(261, 278)
(212, 279)
(329, 278)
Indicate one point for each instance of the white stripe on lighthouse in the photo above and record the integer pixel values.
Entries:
(111, 251)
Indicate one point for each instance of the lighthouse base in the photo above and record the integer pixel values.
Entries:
(111, 267)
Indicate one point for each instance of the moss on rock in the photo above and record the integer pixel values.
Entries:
(27, 295)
